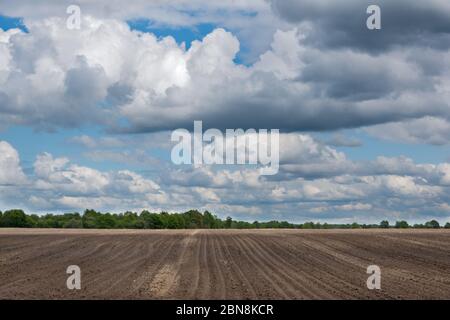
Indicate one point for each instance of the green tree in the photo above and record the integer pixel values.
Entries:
(384, 224)
(285, 225)
(190, 219)
(308, 225)
(152, 220)
(209, 220)
(355, 225)
(401, 224)
(175, 221)
(228, 222)
(14, 219)
(73, 224)
(130, 220)
(90, 219)
(194, 219)
(433, 224)
(105, 221)
(33, 221)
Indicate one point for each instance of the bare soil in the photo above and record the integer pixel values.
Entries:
(224, 264)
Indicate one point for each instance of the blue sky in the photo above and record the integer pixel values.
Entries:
(7, 23)
(364, 130)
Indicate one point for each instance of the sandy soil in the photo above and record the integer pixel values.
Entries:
(224, 264)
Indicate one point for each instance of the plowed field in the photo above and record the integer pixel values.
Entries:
(224, 264)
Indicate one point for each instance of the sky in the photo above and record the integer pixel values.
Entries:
(86, 114)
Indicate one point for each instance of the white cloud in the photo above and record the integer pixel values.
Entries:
(354, 207)
(385, 187)
(161, 12)
(133, 183)
(427, 130)
(58, 183)
(58, 174)
(444, 173)
(251, 20)
(105, 73)
(10, 170)
(405, 186)
(284, 58)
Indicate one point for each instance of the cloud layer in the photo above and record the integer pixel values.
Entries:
(108, 75)
(311, 66)
(315, 182)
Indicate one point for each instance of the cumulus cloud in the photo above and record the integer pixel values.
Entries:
(10, 170)
(57, 174)
(378, 190)
(109, 75)
(59, 184)
(427, 130)
(317, 181)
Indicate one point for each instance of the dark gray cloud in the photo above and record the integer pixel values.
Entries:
(343, 23)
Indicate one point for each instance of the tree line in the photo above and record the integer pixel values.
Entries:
(192, 219)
